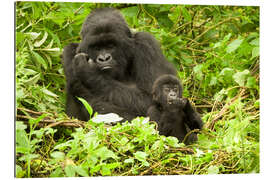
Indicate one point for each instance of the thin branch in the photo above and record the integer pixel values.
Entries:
(48, 122)
(224, 109)
(212, 27)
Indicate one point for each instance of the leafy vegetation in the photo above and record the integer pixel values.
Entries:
(216, 50)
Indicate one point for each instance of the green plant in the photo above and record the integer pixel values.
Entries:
(28, 143)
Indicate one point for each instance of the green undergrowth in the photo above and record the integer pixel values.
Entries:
(216, 52)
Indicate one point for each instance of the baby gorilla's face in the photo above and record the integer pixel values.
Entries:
(172, 96)
(170, 92)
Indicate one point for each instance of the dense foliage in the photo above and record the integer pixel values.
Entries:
(216, 50)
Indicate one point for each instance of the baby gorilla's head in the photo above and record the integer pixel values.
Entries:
(167, 91)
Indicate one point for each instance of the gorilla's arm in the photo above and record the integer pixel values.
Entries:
(150, 61)
(74, 85)
(167, 121)
(194, 120)
(156, 115)
(153, 113)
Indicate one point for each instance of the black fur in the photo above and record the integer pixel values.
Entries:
(173, 114)
(112, 68)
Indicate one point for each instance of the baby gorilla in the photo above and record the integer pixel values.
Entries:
(173, 114)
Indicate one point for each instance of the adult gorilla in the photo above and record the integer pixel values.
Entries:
(112, 68)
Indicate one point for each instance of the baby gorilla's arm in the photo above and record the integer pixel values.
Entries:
(194, 120)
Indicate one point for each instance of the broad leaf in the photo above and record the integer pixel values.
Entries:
(213, 170)
(241, 77)
(234, 45)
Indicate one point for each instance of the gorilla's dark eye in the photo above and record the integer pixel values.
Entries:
(97, 48)
(110, 46)
(93, 47)
(166, 89)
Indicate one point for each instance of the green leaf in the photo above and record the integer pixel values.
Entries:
(105, 153)
(163, 20)
(172, 141)
(49, 130)
(39, 133)
(33, 35)
(257, 104)
(39, 43)
(32, 80)
(213, 81)
(35, 121)
(22, 149)
(22, 142)
(27, 71)
(57, 173)
(52, 50)
(70, 171)
(207, 158)
(156, 145)
(19, 172)
(40, 60)
(255, 42)
(130, 11)
(87, 106)
(198, 71)
(186, 14)
(20, 125)
(130, 160)
(49, 93)
(234, 45)
(255, 52)
(186, 58)
(81, 171)
(141, 156)
(213, 170)
(105, 171)
(29, 157)
(216, 45)
(64, 145)
(58, 155)
(251, 82)
(220, 95)
(241, 77)
(199, 153)
(19, 38)
(227, 72)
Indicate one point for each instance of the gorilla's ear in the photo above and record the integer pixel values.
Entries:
(156, 95)
(155, 98)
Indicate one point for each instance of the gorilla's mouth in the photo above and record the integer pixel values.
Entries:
(169, 101)
(106, 67)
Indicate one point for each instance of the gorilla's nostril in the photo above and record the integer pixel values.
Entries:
(108, 57)
(101, 59)
(172, 94)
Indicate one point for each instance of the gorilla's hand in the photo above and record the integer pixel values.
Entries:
(82, 65)
(80, 60)
(182, 102)
(178, 103)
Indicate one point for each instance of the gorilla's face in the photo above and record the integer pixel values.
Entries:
(167, 91)
(170, 92)
(106, 51)
(103, 54)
